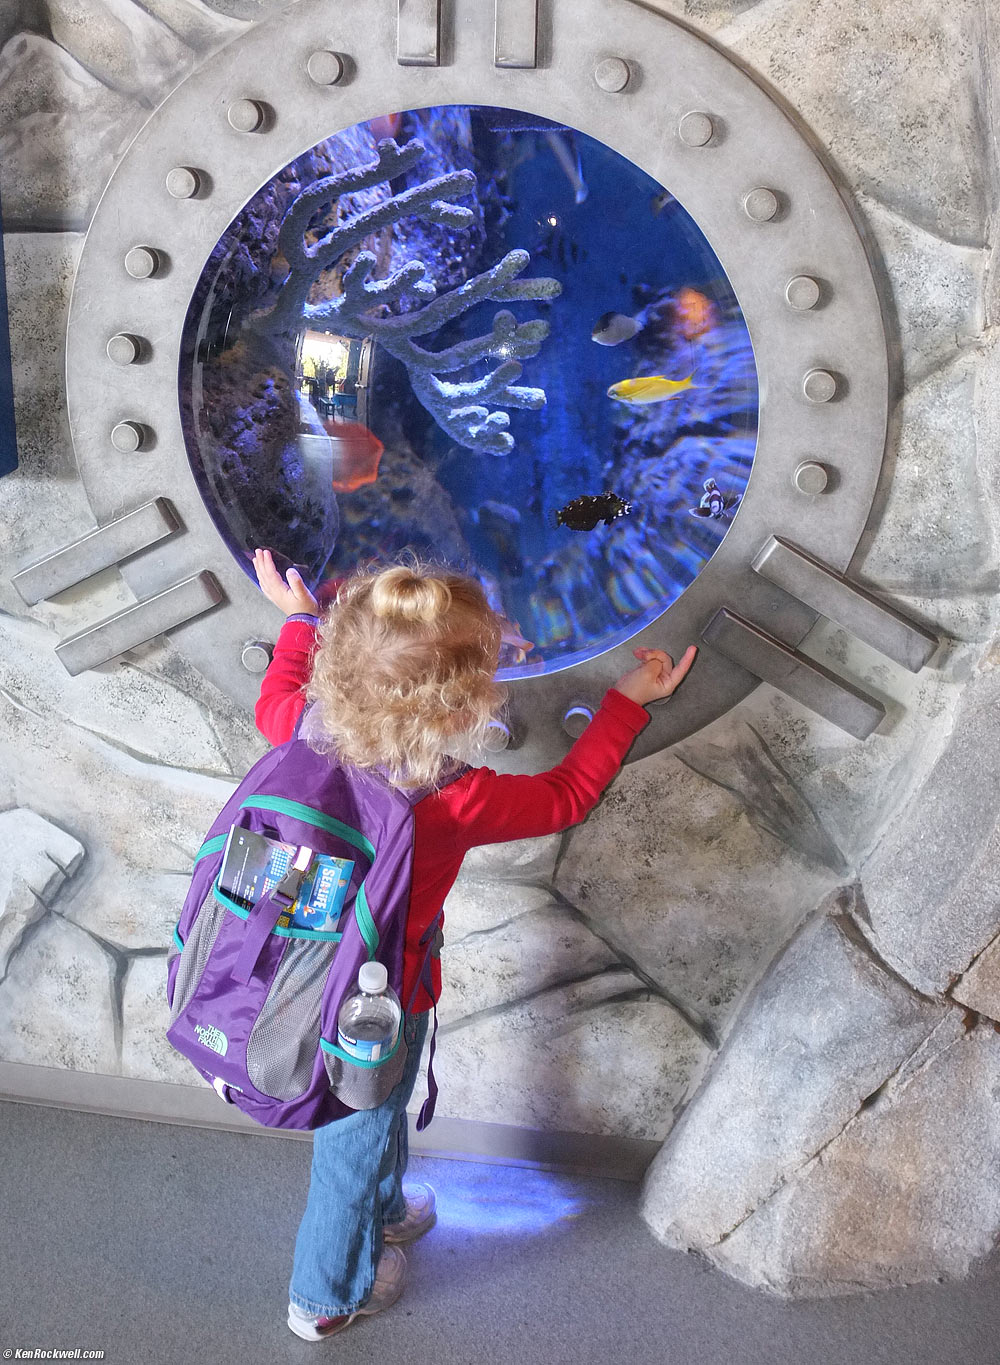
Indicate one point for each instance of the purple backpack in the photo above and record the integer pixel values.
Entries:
(253, 1003)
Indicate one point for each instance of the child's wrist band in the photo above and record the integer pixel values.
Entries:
(306, 616)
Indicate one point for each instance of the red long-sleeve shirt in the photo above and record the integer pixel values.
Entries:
(480, 807)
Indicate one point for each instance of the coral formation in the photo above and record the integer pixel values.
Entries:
(359, 310)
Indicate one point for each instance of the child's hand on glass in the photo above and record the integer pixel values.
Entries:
(290, 594)
(657, 675)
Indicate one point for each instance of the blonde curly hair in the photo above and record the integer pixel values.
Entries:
(403, 678)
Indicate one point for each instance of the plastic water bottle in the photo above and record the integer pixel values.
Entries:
(370, 1017)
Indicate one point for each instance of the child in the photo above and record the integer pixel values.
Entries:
(401, 672)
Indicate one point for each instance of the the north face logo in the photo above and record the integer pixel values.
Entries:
(210, 1036)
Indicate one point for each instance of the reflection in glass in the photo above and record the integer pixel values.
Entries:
(487, 338)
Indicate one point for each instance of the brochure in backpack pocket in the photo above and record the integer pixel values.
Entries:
(253, 865)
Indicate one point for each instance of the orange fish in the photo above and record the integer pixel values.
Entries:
(696, 314)
(386, 125)
(356, 453)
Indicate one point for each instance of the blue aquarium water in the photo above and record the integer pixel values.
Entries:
(485, 338)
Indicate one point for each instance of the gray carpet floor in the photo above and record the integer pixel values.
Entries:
(157, 1243)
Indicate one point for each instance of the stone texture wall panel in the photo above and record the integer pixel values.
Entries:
(907, 1193)
(937, 289)
(897, 94)
(932, 498)
(561, 1061)
(824, 1030)
(57, 1001)
(931, 886)
(536, 951)
(146, 1054)
(671, 870)
(61, 130)
(38, 858)
(123, 45)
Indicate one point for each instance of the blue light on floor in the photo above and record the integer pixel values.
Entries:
(526, 1202)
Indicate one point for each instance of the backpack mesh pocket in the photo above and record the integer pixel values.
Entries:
(200, 942)
(282, 1047)
(365, 1087)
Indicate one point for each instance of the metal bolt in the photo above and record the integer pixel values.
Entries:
(124, 349)
(142, 262)
(325, 68)
(760, 204)
(183, 182)
(802, 293)
(497, 735)
(127, 437)
(246, 116)
(819, 386)
(577, 718)
(695, 130)
(256, 656)
(612, 74)
(811, 477)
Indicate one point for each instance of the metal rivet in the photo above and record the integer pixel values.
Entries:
(760, 204)
(183, 182)
(802, 293)
(695, 130)
(124, 348)
(811, 477)
(142, 262)
(819, 386)
(497, 735)
(246, 116)
(612, 74)
(127, 437)
(256, 656)
(577, 718)
(325, 68)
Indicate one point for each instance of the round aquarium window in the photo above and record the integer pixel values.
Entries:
(489, 339)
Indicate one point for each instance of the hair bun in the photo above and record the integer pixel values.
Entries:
(403, 595)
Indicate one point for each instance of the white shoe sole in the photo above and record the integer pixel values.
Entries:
(385, 1294)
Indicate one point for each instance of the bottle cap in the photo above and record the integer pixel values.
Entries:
(373, 978)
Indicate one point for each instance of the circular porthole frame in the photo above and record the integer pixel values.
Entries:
(658, 95)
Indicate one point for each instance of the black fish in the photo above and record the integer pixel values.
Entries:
(583, 513)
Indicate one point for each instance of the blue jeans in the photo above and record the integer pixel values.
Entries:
(356, 1186)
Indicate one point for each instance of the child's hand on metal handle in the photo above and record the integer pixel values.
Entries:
(290, 595)
(657, 676)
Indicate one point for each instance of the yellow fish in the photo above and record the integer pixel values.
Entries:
(653, 389)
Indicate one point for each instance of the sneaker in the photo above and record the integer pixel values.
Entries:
(421, 1214)
(389, 1280)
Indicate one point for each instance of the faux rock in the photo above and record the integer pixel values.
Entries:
(826, 1028)
(39, 858)
(672, 872)
(60, 131)
(526, 859)
(122, 44)
(872, 1210)
(199, 26)
(920, 75)
(979, 985)
(937, 448)
(937, 289)
(146, 1054)
(931, 886)
(559, 1060)
(535, 950)
(57, 1002)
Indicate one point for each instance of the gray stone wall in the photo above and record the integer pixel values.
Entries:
(772, 946)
